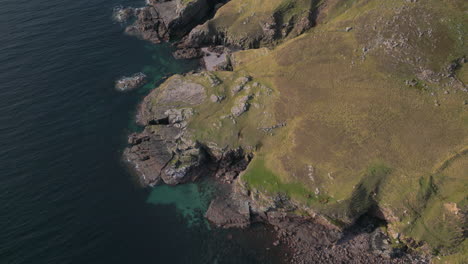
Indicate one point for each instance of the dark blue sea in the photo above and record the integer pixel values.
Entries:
(65, 195)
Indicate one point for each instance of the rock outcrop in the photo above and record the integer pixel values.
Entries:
(228, 213)
(131, 82)
(165, 151)
(267, 30)
(160, 21)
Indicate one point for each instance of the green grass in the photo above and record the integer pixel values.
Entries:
(259, 177)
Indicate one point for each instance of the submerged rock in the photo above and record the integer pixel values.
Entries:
(131, 82)
(123, 14)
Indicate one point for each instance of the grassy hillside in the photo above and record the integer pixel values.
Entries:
(365, 110)
(348, 107)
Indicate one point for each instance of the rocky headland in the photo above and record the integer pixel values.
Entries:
(315, 116)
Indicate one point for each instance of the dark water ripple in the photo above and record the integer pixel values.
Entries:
(65, 197)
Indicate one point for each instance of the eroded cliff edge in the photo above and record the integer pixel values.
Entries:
(363, 114)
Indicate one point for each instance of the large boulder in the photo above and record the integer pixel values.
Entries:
(226, 212)
(131, 82)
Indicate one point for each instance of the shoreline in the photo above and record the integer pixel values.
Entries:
(308, 237)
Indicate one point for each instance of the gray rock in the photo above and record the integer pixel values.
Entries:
(131, 82)
(178, 115)
(173, 94)
(236, 89)
(411, 83)
(213, 79)
(241, 106)
(187, 53)
(229, 213)
(159, 21)
(149, 155)
(122, 14)
(216, 98)
(243, 80)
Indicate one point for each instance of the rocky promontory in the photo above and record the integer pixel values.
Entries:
(166, 150)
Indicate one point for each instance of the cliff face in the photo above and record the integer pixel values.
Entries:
(255, 24)
(161, 21)
(365, 113)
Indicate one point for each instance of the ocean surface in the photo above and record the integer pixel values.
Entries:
(65, 195)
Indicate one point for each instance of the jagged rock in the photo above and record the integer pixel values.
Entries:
(130, 83)
(380, 244)
(188, 164)
(161, 20)
(216, 58)
(272, 28)
(214, 81)
(216, 98)
(178, 115)
(236, 89)
(230, 163)
(149, 26)
(241, 106)
(269, 29)
(188, 53)
(122, 14)
(228, 213)
(306, 230)
(149, 156)
(240, 84)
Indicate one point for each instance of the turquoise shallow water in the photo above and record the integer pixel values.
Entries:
(65, 196)
(191, 200)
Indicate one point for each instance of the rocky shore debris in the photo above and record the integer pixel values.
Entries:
(188, 53)
(228, 213)
(131, 82)
(123, 14)
(308, 237)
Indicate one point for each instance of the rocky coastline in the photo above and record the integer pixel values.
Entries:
(167, 153)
